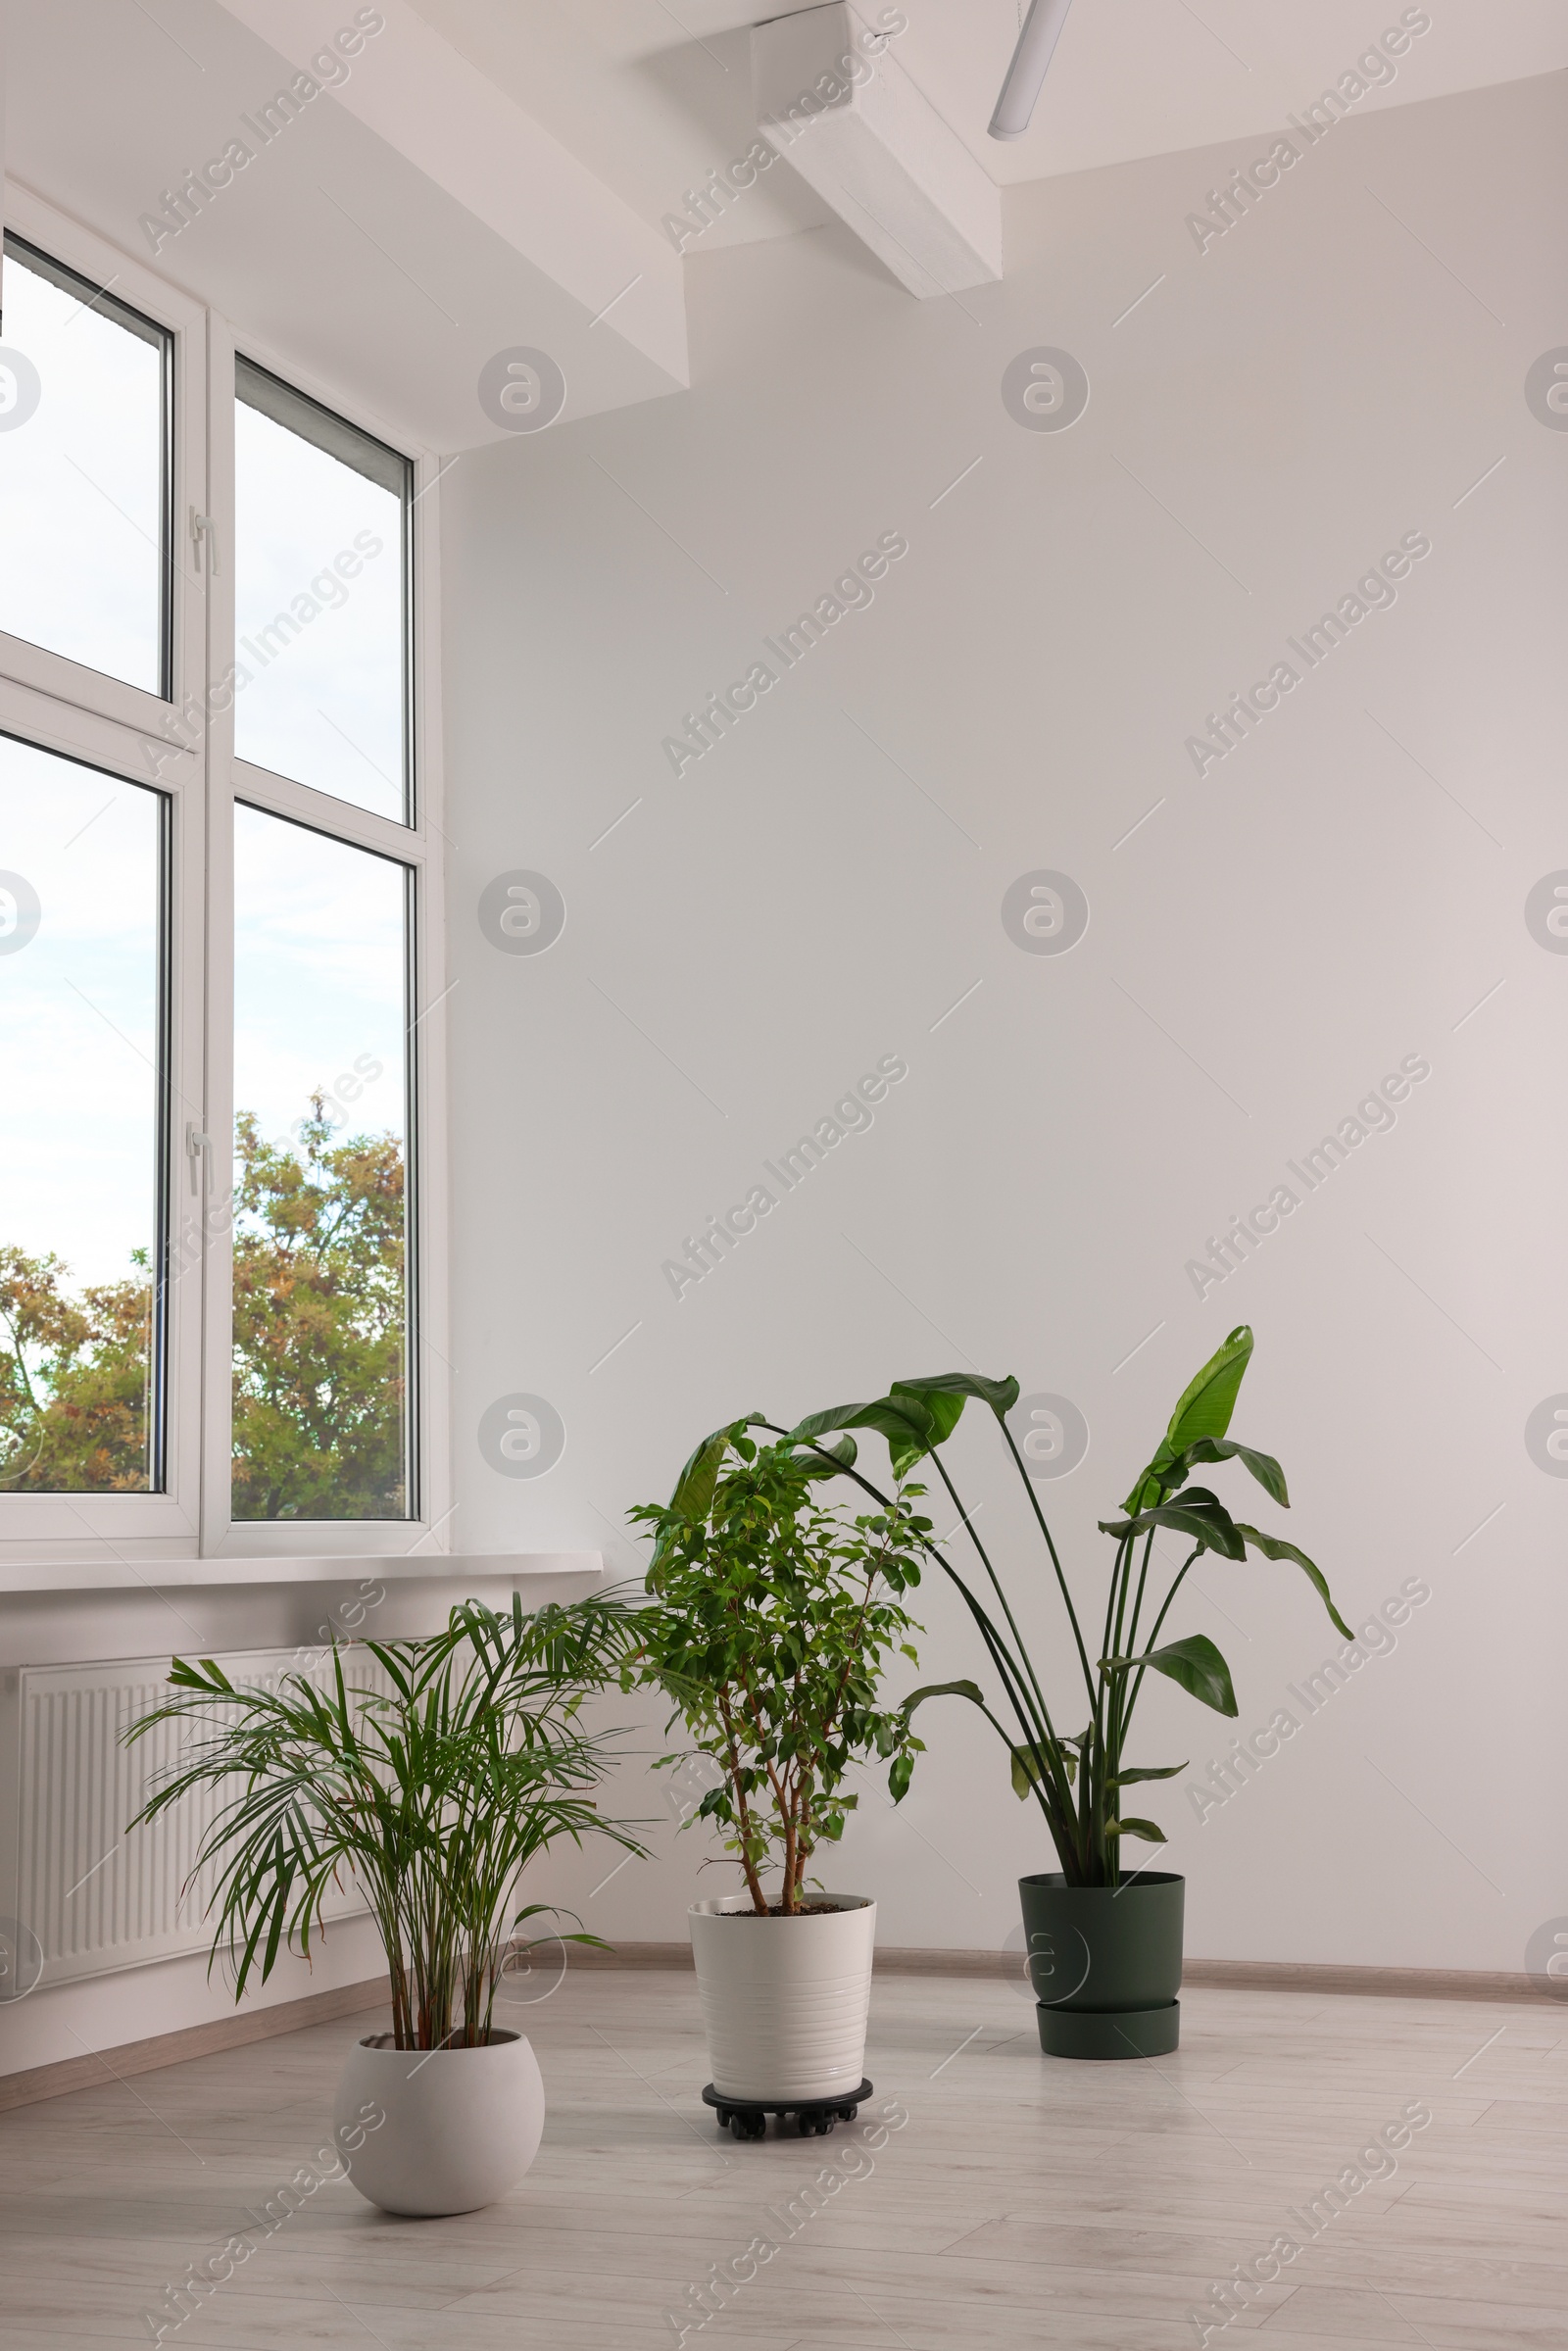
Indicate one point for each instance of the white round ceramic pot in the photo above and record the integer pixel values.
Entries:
(784, 2000)
(439, 2131)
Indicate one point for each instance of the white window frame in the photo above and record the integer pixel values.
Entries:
(62, 707)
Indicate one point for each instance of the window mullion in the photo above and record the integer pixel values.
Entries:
(214, 1397)
(431, 1371)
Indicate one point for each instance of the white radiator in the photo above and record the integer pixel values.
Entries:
(98, 1895)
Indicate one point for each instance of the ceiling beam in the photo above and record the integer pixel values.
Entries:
(833, 98)
(428, 103)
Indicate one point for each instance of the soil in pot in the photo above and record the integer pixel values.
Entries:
(777, 1910)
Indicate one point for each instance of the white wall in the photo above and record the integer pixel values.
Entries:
(1336, 371)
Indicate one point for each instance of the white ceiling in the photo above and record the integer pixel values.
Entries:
(346, 258)
(650, 93)
(496, 171)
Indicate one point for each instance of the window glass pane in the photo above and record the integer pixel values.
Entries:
(321, 1250)
(81, 1126)
(83, 526)
(320, 614)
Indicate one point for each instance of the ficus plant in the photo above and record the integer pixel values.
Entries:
(429, 1795)
(1078, 1778)
(773, 1617)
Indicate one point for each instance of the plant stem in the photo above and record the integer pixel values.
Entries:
(1122, 1548)
(1131, 1630)
(996, 1585)
(1154, 1633)
(1000, 1657)
(1066, 1596)
(753, 1884)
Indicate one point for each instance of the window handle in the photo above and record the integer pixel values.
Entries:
(204, 529)
(196, 1144)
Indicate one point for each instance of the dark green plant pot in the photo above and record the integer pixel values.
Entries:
(1105, 1964)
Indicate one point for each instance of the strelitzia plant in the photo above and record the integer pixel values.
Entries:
(1077, 1778)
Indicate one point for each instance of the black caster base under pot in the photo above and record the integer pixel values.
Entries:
(748, 2117)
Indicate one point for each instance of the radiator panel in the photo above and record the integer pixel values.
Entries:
(99, 1897)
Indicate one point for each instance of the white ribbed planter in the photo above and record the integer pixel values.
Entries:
(461, 2126)
(784, 2001)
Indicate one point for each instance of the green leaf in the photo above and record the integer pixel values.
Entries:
(1206, 1404)
(870, 1415)
(915, 1416)
(1273, 1546)
(532, 1942)
(186, 1677)
(693, 1496)
(898, 1777)
(957, 1386)
(1263, 1466)
(943, 1690)
(1147, 1829)
(1197, 1514)
(1202, 1410)
(843, 1455)
(1199, 1667)
(905, 1424)
(941, 1413)
(1145, 1771)
(1028, 1773)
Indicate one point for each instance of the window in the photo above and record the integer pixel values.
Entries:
(320, 1127)
(84, 465)
(82, 1258)
(322, 939)
(320, 604)
(220, 926)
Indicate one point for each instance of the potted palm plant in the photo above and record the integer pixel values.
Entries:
(1105, 1942)
(429, 1791)
(773, 1617)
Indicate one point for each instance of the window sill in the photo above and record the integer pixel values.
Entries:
(230, 1575)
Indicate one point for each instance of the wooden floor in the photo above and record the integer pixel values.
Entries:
(1024, 2201)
